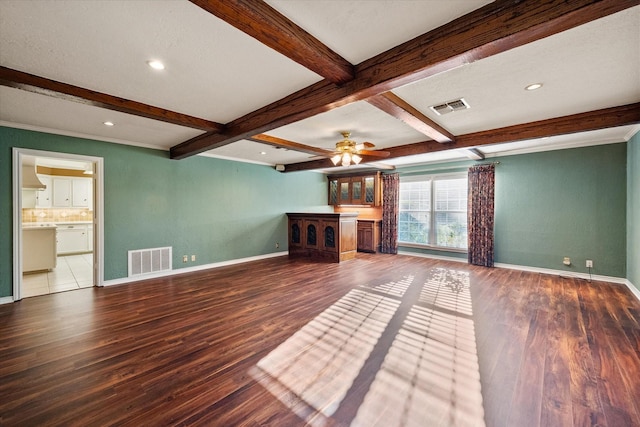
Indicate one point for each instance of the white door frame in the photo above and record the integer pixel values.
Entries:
(98, 213)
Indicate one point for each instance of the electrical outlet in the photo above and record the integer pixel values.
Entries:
(566, 261)
(185, 258)
(193, 257)
(277, 245)
(589, 263)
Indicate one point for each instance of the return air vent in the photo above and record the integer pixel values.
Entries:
(449, 107)
(146, 261)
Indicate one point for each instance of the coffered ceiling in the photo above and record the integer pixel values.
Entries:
(302, 71)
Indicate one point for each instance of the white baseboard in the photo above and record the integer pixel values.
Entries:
(635, 291)
(611, 279)
(192, 269)
(619, 280)
(6, 300)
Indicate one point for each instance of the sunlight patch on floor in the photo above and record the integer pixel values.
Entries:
(312, 371)
(430, 375)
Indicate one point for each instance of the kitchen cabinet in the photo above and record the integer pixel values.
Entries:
(72, 192)
(44, 196)
(90, 238)
(61, 192)
(355, 189)
(80, 192)
(38, 248)
(322, 236)
(369, 231)
(73, 238)
(28, 199)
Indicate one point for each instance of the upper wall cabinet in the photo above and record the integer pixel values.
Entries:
(355, 189)
(43, 197)
(61, 192)
(72, 192)
(80, 192)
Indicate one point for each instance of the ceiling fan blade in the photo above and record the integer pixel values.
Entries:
(363, 145)
(374, 153)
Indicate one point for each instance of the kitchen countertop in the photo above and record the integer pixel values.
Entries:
(44, 225)
(73, 222)
(37, 225)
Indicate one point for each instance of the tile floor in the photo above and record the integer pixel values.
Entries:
(71, 272)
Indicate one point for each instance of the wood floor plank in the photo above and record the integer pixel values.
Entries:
(617, 400)
(557, 410)
(185, 350)
(586, 405)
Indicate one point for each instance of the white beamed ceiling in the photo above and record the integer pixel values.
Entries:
(215, 72)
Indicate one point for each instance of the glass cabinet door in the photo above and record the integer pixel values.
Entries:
(345, 194)
(333, 192)
(356, 190)
(369, 190)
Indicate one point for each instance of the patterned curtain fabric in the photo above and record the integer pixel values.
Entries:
(390, 202)
(480, 214)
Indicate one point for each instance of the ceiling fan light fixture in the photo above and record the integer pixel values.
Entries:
(348, 152)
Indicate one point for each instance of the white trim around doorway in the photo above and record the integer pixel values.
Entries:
(98, 213)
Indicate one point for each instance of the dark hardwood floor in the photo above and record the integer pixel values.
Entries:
(379, 340)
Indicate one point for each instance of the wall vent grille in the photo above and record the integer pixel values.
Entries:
(450, 107)
(146, 261)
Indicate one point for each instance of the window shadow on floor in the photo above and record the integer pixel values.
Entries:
(399, 353)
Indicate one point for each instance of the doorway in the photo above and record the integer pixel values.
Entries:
(57, 220)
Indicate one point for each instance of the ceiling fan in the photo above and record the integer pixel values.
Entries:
(348, 151)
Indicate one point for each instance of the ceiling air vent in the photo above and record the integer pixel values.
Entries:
(449, 107)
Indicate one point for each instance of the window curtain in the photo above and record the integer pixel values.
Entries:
(390, 202)
(480, 214)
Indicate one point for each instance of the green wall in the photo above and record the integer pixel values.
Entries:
(216, 209)
(548, 205)
(563, 203)
(633, 210)
(559, 203)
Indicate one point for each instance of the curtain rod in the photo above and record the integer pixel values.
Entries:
(449, 167)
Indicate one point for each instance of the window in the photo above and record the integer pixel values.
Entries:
(433, 211)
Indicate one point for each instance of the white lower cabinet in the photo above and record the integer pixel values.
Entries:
(90, 237)
(73, 239)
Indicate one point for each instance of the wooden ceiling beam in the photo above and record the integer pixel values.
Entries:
(291, 145)
(40, 85)
(623, 115)
(397, 107)
(265, 24)
(497, 27)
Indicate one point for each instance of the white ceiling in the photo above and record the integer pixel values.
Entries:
(215, 72)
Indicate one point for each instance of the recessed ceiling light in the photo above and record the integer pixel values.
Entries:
(533, 86)
(108, 123)
(156, 65)
(263, 153)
